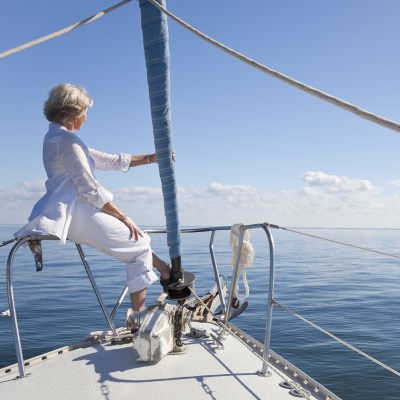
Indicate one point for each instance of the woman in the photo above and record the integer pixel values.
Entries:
(77, 207)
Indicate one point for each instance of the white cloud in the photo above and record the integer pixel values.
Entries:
(138, 194)
(327, 201)
(336, 183)
(16, 203)
(395, 183)
(25, 190)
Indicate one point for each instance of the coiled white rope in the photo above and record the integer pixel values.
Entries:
(5, 314)
(245, 260)
(299, 85)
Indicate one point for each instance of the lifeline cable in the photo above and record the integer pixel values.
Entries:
(335, 241)
(387, 367)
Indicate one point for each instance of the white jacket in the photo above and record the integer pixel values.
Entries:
(69, 165)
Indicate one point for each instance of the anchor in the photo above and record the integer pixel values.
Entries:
(178, 288)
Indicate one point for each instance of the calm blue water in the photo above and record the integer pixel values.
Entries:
(353, 294)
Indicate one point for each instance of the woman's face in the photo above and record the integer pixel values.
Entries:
(79, 121)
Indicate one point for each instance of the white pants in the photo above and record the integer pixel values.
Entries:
(97, 229)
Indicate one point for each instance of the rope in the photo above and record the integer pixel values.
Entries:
(299, 85)
(202, 302)
(5, 314)
(286, 309)
(246, 258)
(335, 241)
(62, 31)
(2, 244)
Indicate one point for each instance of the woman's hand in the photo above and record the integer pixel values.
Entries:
(134, 231)
(153, 157)
(111, 209)
(144, 159)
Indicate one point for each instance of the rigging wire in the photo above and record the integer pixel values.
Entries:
(62, 31)
(299, 85)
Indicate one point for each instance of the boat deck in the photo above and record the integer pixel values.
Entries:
(106, 370)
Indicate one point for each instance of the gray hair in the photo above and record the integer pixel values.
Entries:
(66, 101)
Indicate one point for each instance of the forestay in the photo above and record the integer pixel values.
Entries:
(155, 41)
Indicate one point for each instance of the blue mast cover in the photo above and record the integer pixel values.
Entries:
(156, 49)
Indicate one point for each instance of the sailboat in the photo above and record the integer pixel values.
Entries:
(187, 344)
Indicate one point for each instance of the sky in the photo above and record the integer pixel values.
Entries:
(249, 148)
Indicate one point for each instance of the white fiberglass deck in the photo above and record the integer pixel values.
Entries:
(109, 371)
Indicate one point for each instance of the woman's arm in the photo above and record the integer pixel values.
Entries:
(76, 165)
(106, 161)
(122, 161)
(142, 159)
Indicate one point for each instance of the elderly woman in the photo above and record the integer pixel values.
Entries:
(77, 207)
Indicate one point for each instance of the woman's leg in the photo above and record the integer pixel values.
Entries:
(138, 299)
(163, 268)
(105, 233)
(133, 314)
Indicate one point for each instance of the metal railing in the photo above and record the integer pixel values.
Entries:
(226, 308)
(269, 359)
(11, 303)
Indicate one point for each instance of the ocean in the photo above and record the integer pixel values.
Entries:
(352, 293)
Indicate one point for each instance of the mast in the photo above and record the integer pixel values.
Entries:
(156, 49)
